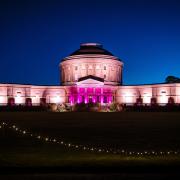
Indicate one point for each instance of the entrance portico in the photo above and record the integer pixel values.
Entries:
(90, 89)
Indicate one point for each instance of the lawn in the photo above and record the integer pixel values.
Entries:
(130, 131)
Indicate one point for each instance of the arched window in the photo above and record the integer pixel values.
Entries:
(28, 102)
(42, 101)
(153, 101)
(139, 101)
(11, 101)
(171, 100)
(76, 77)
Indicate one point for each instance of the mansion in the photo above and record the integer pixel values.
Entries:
(91, 74)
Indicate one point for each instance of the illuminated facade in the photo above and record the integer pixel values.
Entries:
(90, 74)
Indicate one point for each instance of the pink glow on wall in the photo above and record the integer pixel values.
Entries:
(90, 64)
(147, 99)
(79, 99)
(102, 99)
(58, 100)
(3, 100)
(163, 99)
(94, 99)
(85, 100)
(19, 100)
(71, 100)
(110, 99)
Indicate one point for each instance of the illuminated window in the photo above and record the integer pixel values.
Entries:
(97, 67)
(69, 77)
(76, 77)
(90, 67)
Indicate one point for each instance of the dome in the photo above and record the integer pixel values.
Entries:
(91, 48)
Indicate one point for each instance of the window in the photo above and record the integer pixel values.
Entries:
(90, 67)
(104, 76)
(104, 67)
(97, 67)
(163, 91)
(76, 68)
(76, 77)
(105, 99)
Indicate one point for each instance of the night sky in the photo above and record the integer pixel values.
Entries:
(36, 34)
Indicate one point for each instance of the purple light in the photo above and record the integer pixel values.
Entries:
(102, 99)
(109, 99)
(85, 100)
(71, 100)
(94, 99)
(79, 99)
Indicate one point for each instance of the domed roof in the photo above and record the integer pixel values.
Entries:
(91, 48)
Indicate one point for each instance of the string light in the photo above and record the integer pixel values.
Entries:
(92, 149)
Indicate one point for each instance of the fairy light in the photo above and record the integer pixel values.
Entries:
(100, 150)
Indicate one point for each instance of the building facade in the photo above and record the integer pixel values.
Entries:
(91, 74)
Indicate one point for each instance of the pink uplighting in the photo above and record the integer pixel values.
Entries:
(88, 76)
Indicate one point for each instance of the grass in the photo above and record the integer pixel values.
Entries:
(128, 130)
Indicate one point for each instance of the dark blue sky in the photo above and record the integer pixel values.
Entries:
(36, 34)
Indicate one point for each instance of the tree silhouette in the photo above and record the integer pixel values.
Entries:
(172, 79)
